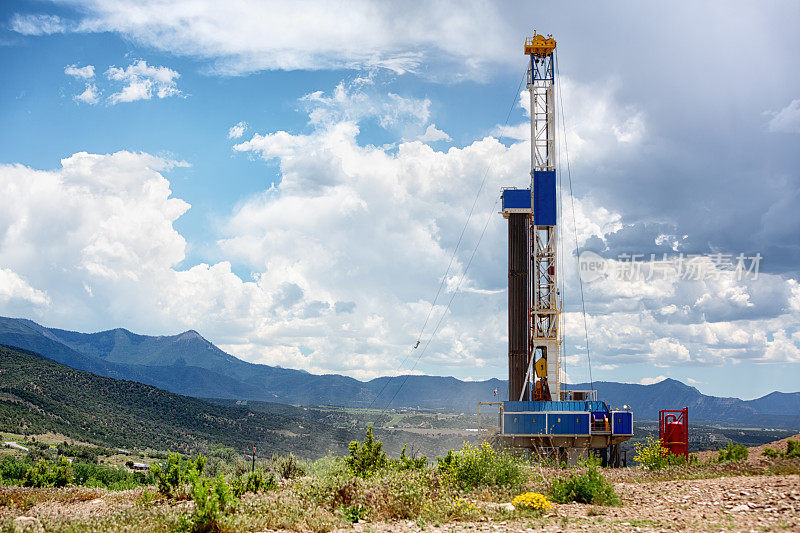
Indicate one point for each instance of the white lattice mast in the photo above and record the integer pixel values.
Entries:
(545, 342)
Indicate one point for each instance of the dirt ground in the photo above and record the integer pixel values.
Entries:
(749, 503)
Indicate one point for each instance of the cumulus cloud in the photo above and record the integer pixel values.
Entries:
(786, 120)
(142, 82)
(237, 130)
(346, 252)
(595, 122)
(90, 95)
(85, 73)
(114, 214)
(14, 287)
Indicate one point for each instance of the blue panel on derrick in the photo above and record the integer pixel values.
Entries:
(582, 424)
(560, 423)
(622, 423)
(512, 424)
(516, 199)
(544, 197)
(524, 423)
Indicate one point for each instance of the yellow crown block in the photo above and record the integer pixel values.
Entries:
(539, 45)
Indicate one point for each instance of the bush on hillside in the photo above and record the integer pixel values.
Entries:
(286, 466)
(12, 469)
(213, 500)
(175, 473)
(772, 454)
(589, 487)
(475, 466)
(366, 458)
(45, 474)
(733, 452)
(410, 462)
(254, 482)
(792, 449)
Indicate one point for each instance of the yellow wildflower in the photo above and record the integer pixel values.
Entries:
(533, 501)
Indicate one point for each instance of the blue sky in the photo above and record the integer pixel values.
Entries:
(316, 236)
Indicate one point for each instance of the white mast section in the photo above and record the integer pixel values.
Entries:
(545, 308)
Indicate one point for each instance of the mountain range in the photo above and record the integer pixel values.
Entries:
(190, 365)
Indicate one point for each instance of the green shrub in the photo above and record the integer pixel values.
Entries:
(13, 469)
(254, 482)
(405, 462)
(589, 487)
(356, 513)
(213, 500)
(62, 473)
(792, 448)
(286, 466)
(366, 458)
(772, 454)
(474, 466)
(38, 475)
(42, 475)
(733, 452)
(176, 473)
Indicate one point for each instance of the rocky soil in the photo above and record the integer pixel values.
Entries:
(746, 503)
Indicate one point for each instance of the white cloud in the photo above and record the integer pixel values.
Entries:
(433, 134)
(652, 381)
(595, 121)
(237, 130)
(605, 367)
(37, 24)
(142, 82)
(85, 73)
(14, 287)
(90, 95)
(669, 351)
(346, 252)
(358, 100)
(248, 35)
(787, 119)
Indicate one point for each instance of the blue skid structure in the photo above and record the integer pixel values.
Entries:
(559, 426)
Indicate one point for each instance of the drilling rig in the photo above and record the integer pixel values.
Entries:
(540, 415)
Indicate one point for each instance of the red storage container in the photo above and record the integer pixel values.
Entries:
(673, 430)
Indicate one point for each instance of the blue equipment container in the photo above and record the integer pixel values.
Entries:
(517, 199)
(621, 423)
